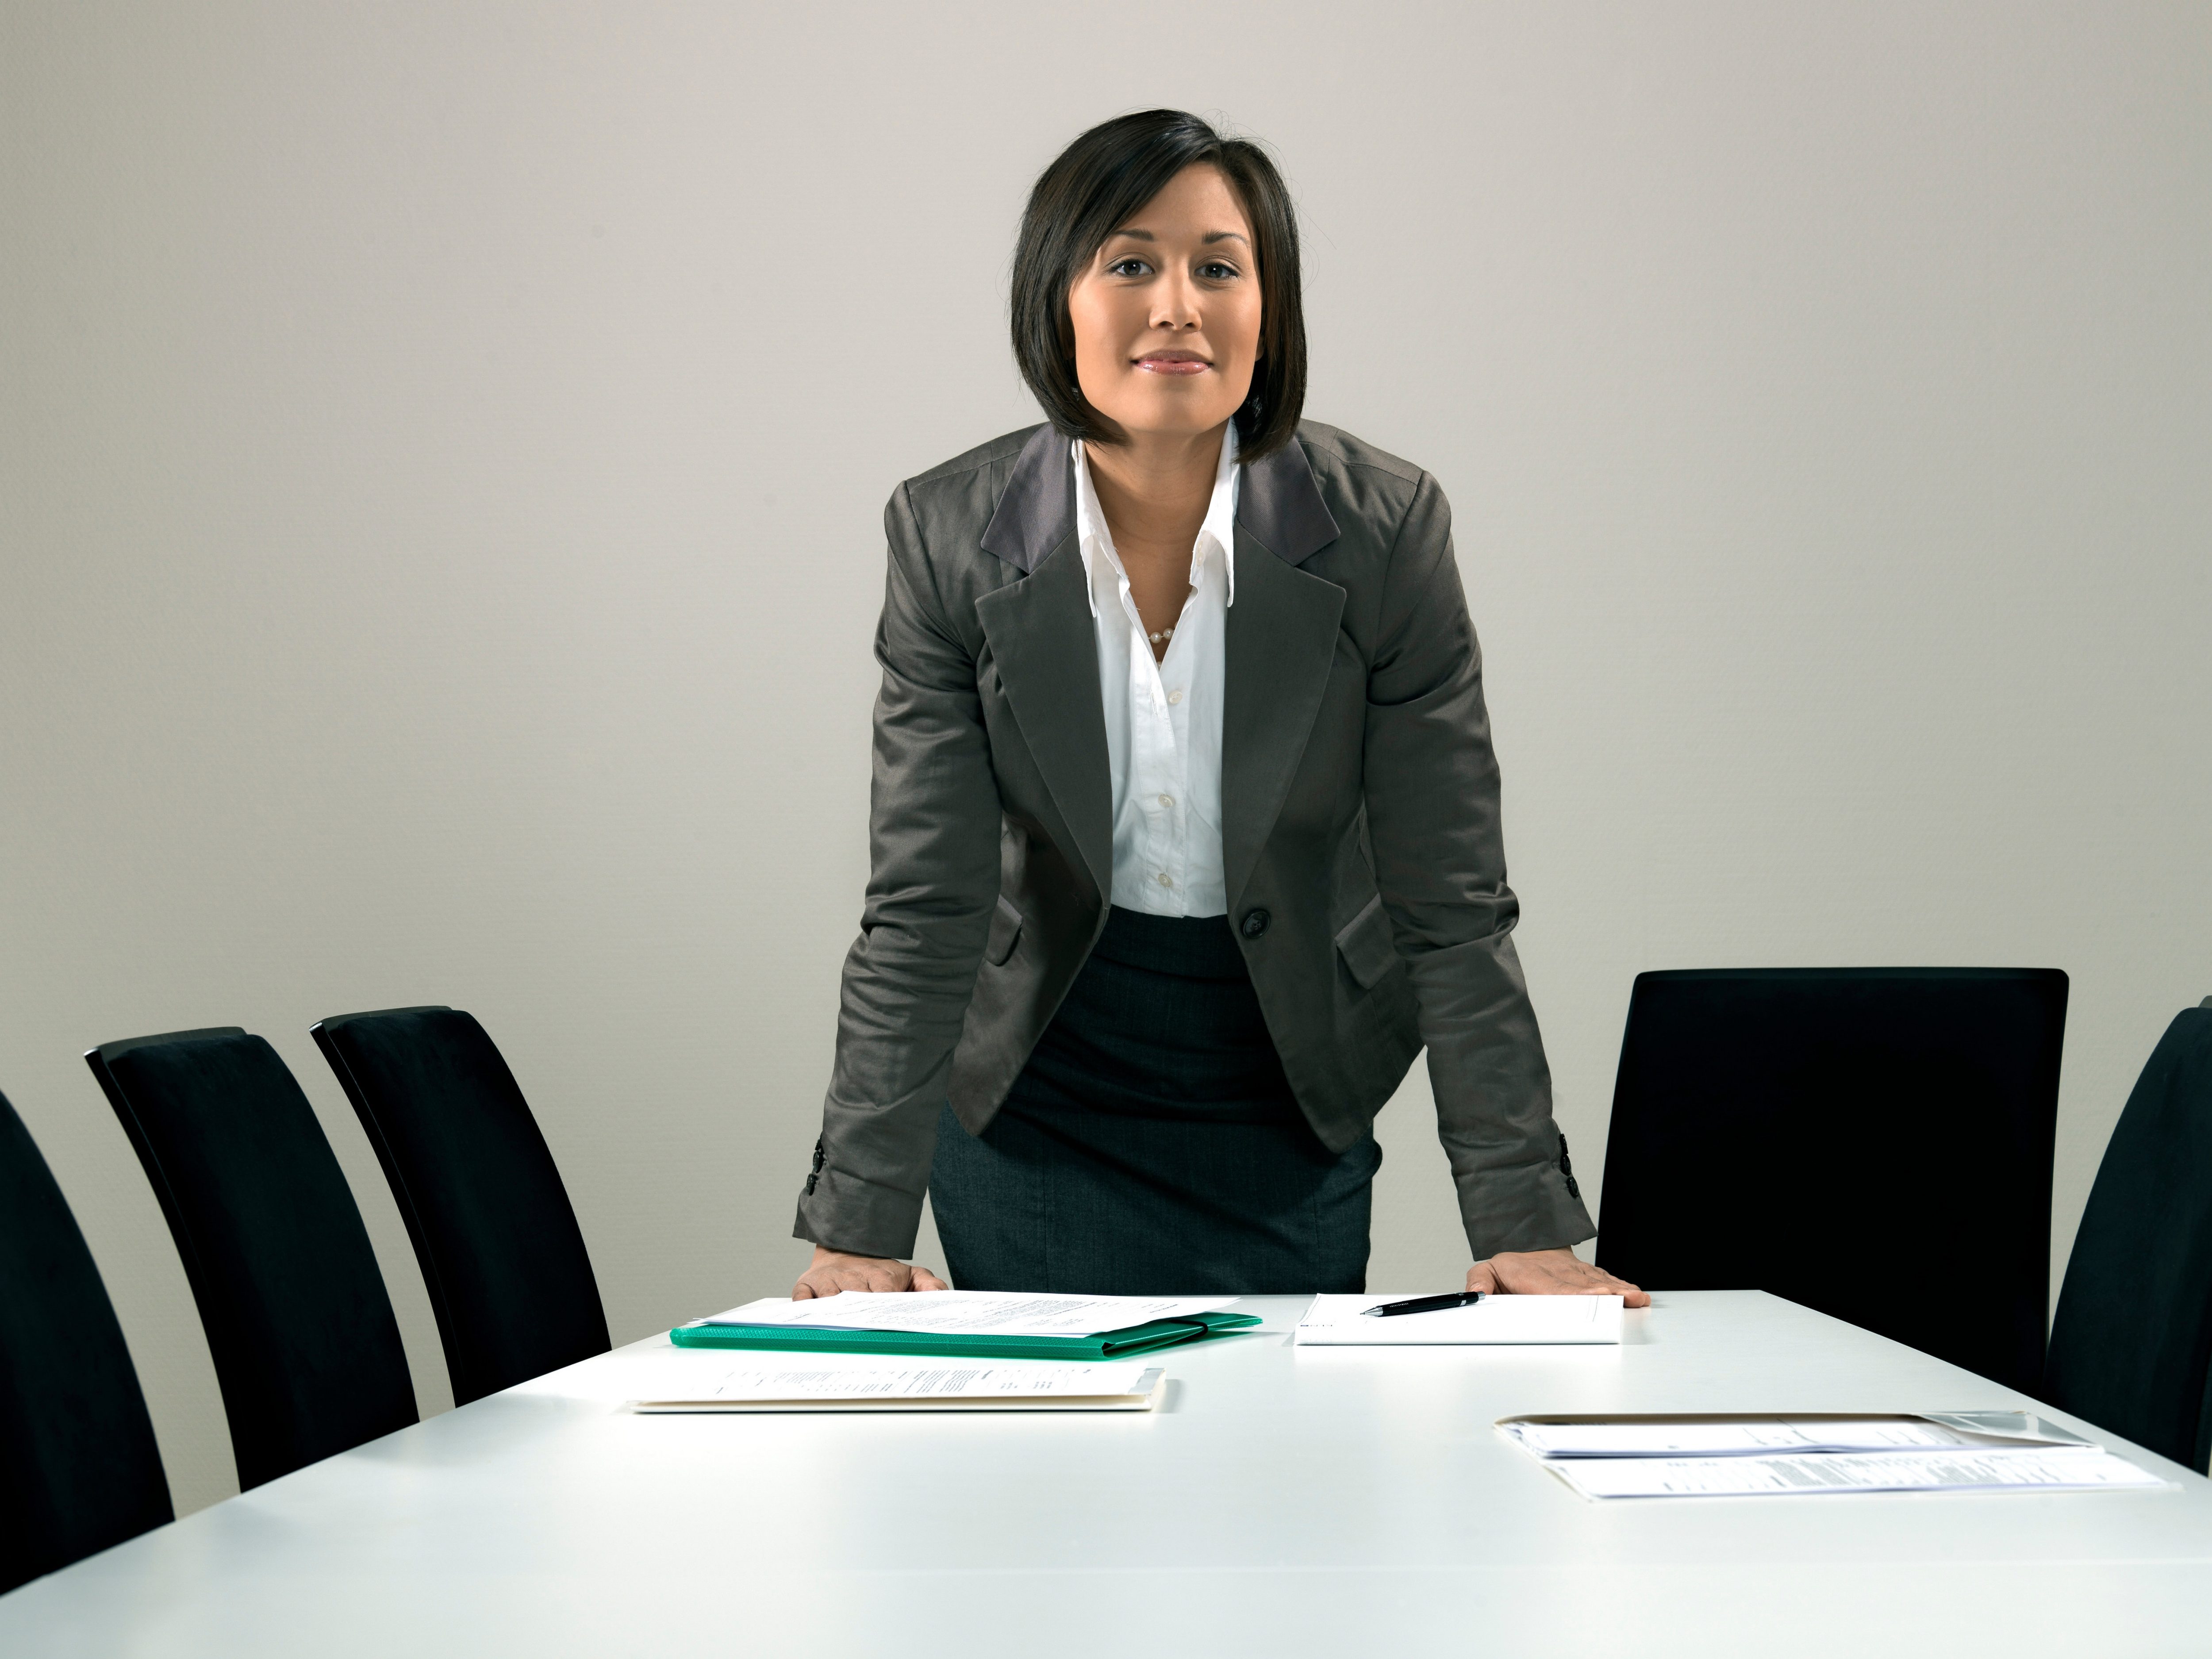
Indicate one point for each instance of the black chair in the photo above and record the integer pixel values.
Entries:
(297, 1319)
(2131, 1346)
(79, 1470)
(1872, 1142)
(507, 1269)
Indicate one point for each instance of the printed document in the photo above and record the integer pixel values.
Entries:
(2021, 1469)
(1751, 1437)
(1716, 1457)
(1344, 1322)
(970, 1313)
(1124, 1386)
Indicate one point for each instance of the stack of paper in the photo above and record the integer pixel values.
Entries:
(1748, 1457)
(1127, 1387)
(1344, 1322)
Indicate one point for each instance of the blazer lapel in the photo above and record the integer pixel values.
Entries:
(1037, 510)
(1281, 642)
(1045, 648)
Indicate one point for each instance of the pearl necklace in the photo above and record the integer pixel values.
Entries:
(1166, 634)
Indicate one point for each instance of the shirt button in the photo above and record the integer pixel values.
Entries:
(1175, 696)
(1166, 880)
(1167, 800)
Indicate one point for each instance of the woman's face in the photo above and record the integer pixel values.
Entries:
(1167, 315)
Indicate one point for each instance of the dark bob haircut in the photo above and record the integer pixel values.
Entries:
(1092, 190)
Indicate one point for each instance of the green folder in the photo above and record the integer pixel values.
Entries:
(1106, 1345)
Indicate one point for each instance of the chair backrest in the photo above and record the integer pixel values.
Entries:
(79, 1470)
(1872, 1142)
(2131, 1345)
(298, 1323)
(497, 1240)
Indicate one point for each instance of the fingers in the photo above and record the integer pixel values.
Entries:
(1483, 1277)
(835, 1275)
(1602, 1283)
(1554, 1272)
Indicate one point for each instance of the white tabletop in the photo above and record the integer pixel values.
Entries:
(1310, 1501)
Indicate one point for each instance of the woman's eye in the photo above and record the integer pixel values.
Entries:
(1126, 268)
(1214, 271)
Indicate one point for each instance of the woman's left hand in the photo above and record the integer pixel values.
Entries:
(1549, 1273)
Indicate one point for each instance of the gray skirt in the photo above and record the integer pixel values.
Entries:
(1152, 1146)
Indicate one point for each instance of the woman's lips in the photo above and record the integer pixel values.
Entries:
(1174, 365)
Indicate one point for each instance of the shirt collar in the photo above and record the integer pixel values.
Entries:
(1220, 522)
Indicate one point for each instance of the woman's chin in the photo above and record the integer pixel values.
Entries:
(1172, 416)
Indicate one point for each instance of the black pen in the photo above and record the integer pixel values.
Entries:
(1425, 1305)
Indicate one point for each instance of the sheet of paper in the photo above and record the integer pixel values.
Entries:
(970, 1313)
(2000, 1428)
(880, 1382)
(1342, 1321)
(1748, 1437)
(1752, 1436)
(664, 1372)
(1957, 1470)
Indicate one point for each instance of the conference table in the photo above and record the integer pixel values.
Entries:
(1281, 1501)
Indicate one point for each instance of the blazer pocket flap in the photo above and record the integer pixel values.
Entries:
(1006, 934)
(1364, 943)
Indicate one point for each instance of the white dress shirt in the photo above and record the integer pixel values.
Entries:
(1164, 718)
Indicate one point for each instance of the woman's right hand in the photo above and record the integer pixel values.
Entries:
(832, 1271)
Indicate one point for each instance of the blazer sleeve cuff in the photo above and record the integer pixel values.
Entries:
(1531, 1207)
(840, 1211)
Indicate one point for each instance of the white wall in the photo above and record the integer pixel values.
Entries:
(441, 450)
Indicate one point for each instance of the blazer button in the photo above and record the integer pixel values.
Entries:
(1255, 923)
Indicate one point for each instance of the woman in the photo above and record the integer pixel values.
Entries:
(1185, 827)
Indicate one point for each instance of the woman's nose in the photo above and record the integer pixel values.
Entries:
(1176, 305)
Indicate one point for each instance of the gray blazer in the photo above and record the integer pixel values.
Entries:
(1360, 841)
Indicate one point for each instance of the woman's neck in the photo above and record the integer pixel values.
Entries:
(1155, 489)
